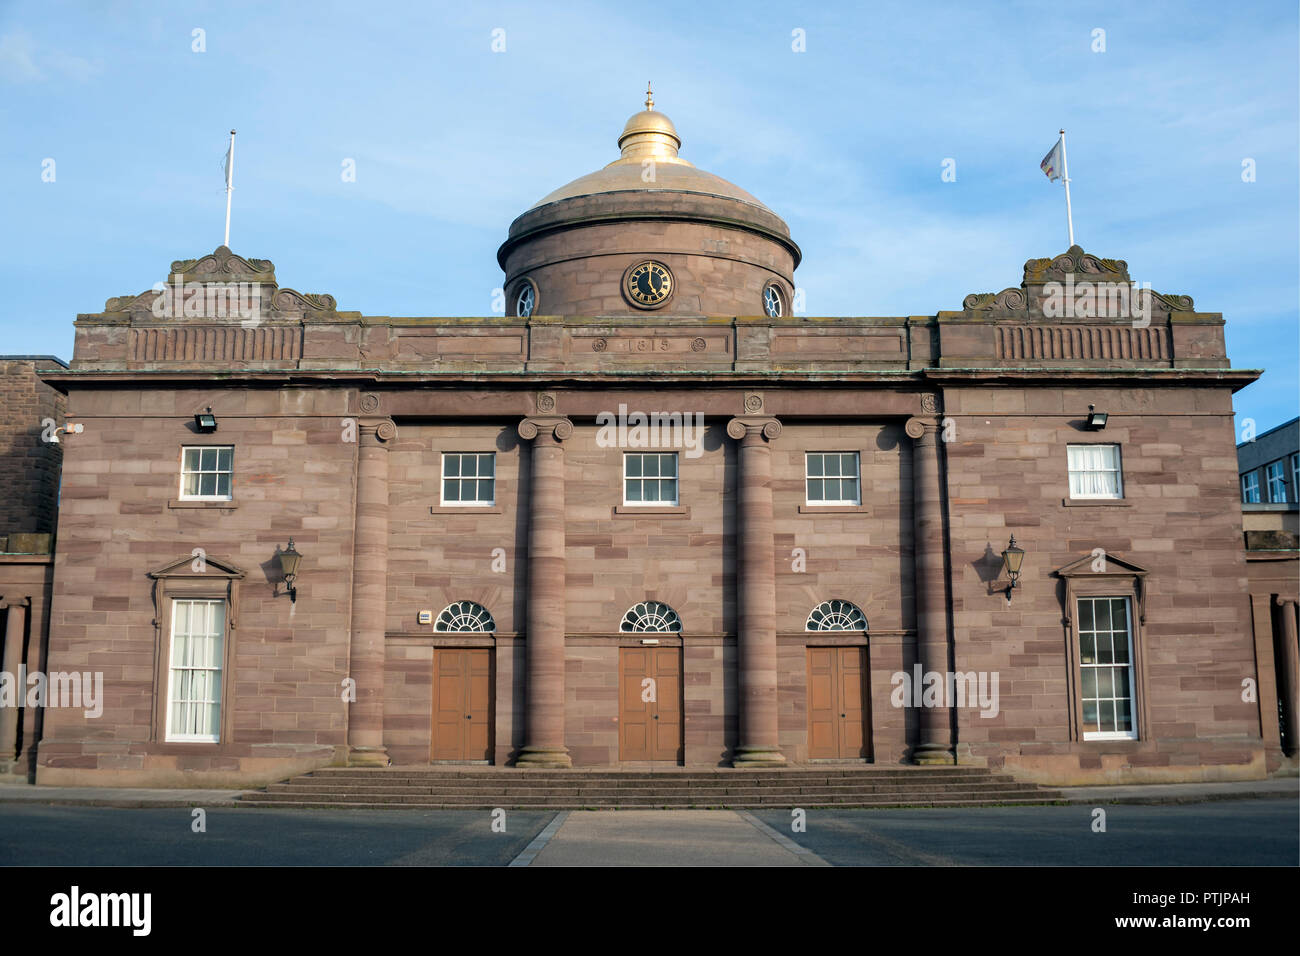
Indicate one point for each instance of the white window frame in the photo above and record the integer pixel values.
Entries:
(1275, 478)
(676, 479)
(220, 634)
(1250, 488)
(1132, 732)
(1118, 469)
(202, 471)
(1295, 476)
(857, 465)
(444, 477)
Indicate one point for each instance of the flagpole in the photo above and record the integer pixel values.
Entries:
(230, 176)
(1065, 176)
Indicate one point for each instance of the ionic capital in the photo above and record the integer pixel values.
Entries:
(547, 429)
(754, 428)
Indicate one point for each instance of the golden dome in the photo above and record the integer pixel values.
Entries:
(649, 137)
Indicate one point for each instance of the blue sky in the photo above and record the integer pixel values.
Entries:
(846, 141)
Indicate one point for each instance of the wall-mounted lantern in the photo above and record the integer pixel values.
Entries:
(1096, 420)
(1012, 559)
(289, 559)
(205, 422)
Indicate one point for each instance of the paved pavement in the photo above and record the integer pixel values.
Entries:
(1242, 832)
(668, 838)
(158, 836)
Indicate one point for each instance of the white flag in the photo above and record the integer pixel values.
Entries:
(1051, 163)
(225, 163)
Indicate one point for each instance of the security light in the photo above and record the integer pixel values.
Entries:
(1095, 421)
(206, 422)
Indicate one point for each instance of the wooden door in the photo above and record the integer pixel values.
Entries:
(837, 716)
(650, 703)
(462, 704)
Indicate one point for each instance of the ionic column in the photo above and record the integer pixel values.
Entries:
(544, 640)
(930, 587)
(759, 744)
(12, 662)
(1290, 689)
(369, 597)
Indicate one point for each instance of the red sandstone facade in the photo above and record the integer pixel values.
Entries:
(960, 422)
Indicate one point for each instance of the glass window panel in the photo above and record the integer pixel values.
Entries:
(468, 466)
(1103, 649)
(208, 461)
(485, 489)
(450, 490)
(1123, 716)
(208, 483)
(1090, 714)
(1089, 682)
(1085, 615)
(487, 465)
(451, 465)
(668, 489)
(1120, 646)
(668, 465)
(192, 459)
(1088, 648)
(1102, 611)
(634, 490)
(633, 465)
(815, 466)
(849, 465)
(1105, 684)
(224, 456)
(1121, 683)
(651, 490)
(1105, 716)
(816, 489)
(223, 484)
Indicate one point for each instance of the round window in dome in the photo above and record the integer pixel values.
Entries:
(525, 299)
(773, 304)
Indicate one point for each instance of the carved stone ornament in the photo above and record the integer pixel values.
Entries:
(738, 428)
(386, 431)
(914, 428)
(546, 401)
(698, 345)
(599, 345)
(753, 403)
(561, 428)
(1077, 262)
(369, 403)
(929, 404)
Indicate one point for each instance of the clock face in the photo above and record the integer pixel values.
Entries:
(649, 284)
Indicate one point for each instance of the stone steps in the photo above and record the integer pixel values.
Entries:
(417, 788)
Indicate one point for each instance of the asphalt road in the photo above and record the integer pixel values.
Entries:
(1227, 833)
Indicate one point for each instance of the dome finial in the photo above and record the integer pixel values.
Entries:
(649, 97)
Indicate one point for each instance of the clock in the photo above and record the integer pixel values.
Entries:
(648, 285)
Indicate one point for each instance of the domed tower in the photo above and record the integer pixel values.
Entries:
(649, 233)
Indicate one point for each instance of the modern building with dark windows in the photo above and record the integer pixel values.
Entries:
(652, 514)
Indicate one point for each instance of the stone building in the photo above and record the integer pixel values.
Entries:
(30, 413)
(651, 515)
